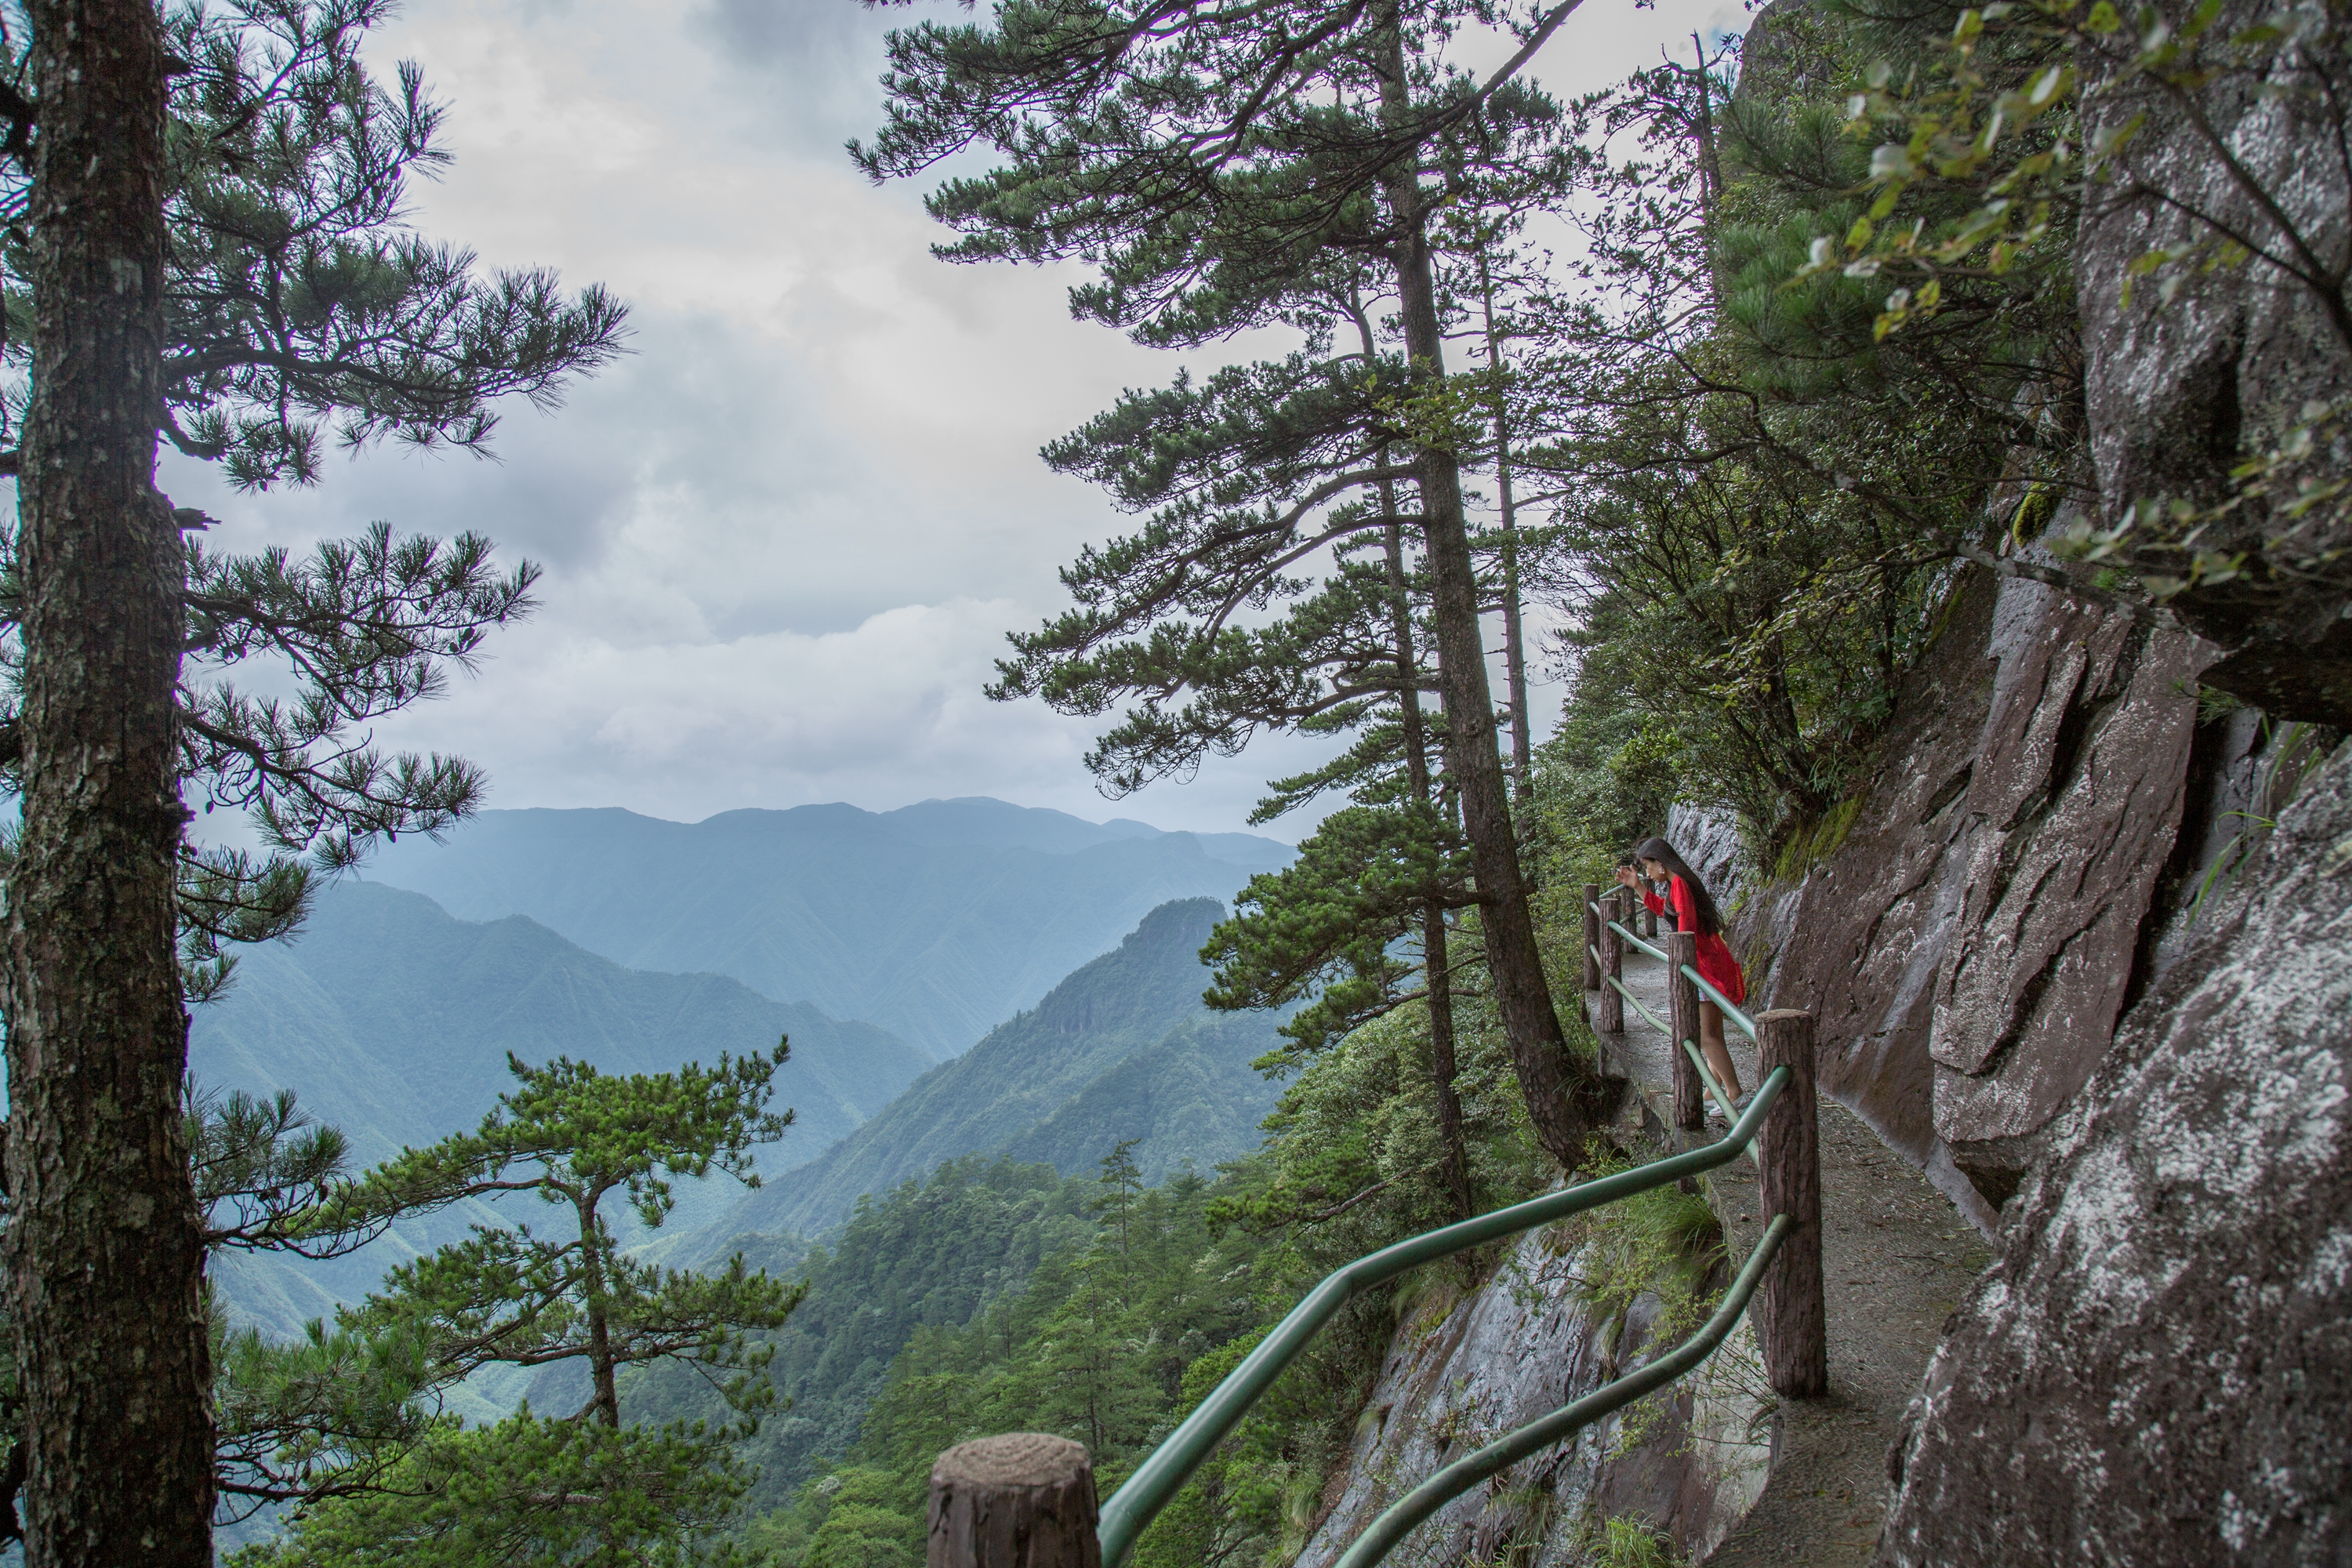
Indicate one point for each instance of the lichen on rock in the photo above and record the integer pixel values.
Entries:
(2154, 1372)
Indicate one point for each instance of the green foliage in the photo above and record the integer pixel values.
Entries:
(1353, 1150)
(1158, 1293)
(534, 1492)
(580, 1489)
(572, 1136)
(1995, 137)
(333, 1414)
(924, 1255)
(299, 299)
(1766, 492)
(1627, 1542)
(1605, 777)
(1327, 926)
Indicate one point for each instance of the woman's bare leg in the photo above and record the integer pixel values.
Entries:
(1717, 1054)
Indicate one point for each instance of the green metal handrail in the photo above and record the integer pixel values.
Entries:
(1707, 1078)
(1730, 1008)
(1714, 1086)
(1170, 1465)
(1398, 1521)
(1628, 935)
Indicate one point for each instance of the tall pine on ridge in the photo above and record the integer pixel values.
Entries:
(1205, 161)
(103, 1246)
(210, 244)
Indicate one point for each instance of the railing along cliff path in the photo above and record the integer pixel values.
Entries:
(1027, 1500)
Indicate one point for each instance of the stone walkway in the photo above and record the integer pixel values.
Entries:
(1896, 1256)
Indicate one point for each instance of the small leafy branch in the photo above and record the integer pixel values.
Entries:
(2008, 115)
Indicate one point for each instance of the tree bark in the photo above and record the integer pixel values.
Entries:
(1515, 654)
(1690, 1108)
(1442, 1067)
(1023, 1500)
(104, 1248)
(1791, 1309)
(1560, 1099)
(1612, 967)
(606, 1386)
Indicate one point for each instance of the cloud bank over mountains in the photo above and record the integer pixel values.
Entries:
(785, 537)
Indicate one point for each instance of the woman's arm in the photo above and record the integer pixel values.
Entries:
(1686, 907)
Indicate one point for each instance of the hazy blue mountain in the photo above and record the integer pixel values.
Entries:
(1192, 1096)
(391, 1020)
(1120, 1049)
(935, 922)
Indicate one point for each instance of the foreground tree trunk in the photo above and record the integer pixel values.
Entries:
(103, 1249)
(1559, 1098)
(1442, 1067)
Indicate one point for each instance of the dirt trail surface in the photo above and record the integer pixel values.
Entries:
(1896, 1257)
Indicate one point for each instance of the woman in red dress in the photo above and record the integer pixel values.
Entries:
(1695, 910)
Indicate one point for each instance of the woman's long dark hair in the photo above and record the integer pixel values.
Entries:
(1710, 918)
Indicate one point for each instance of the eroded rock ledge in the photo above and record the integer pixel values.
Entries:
(2154, 1371)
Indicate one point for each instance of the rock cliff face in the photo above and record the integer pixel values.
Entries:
(2154, 1372)
(2178, 391)
(2000, 895)
(1462, 1372)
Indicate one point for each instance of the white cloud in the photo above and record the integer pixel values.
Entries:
(785, 538)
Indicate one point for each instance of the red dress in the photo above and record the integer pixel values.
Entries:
(1716, 963)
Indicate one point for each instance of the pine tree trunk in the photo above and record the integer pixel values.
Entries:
(104, 1248)
(1442, 1067)
(1559, 1098)
(607, 1395)
(1515, 652)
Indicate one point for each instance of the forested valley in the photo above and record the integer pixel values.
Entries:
(1777, 407)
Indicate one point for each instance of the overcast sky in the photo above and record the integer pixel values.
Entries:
(785, 537)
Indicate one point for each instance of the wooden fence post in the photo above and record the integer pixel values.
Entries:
(1591, 936)
(1790, 1313)
(1612, 967)
(1023, 1500)
(1682, 993)
(1649, 921)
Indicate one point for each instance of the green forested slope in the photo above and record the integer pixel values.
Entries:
(1154, 1294)
(393, 1020)
(925, 1255)
(1189, 1096)
(937, 921)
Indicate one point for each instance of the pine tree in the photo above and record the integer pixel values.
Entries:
(103, 1246)
(299, 305)
(582, 1486)
(1210, 163)
(204, 240)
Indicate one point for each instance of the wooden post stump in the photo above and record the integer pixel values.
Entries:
(1025, 1500)
(1612, 967)
(1682, 993)
(1591, 936)
(1790, 1315)
(1649, 922)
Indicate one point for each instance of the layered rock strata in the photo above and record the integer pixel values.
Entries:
(2154, 1370)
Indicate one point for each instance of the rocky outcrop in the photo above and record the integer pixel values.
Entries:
(1708, 840)
(2153, 1372)
(1971, 943)
(2073, 800)
(2177, 391)
(1463, 1370)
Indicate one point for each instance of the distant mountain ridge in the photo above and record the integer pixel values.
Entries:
(1122, 1048)
(391, 1020)
(935, 922)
